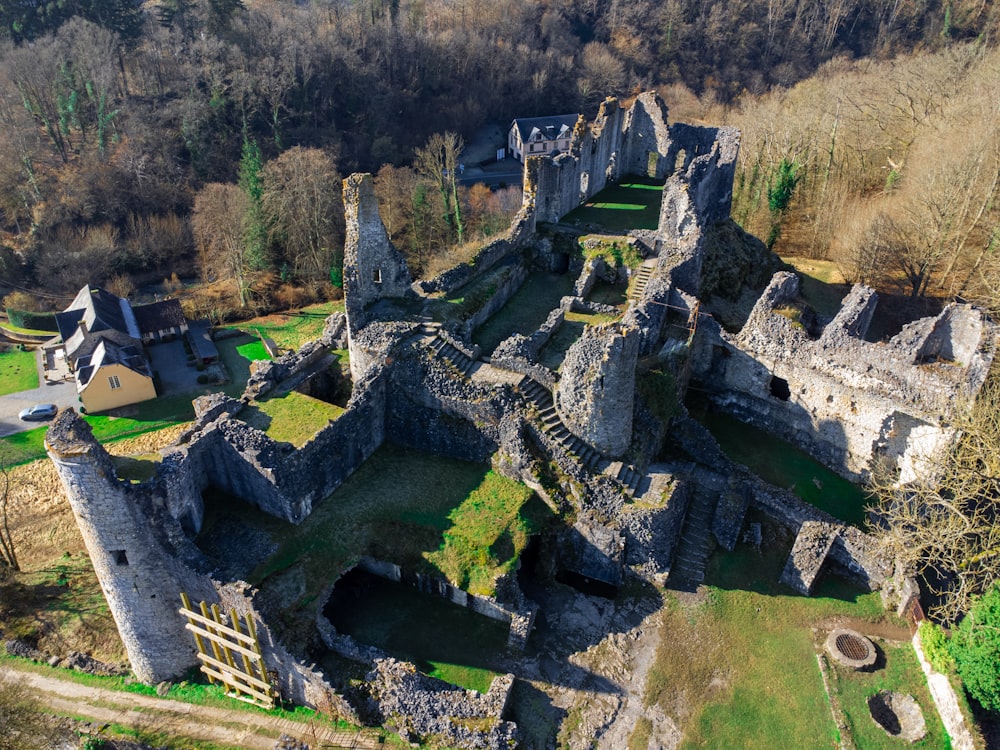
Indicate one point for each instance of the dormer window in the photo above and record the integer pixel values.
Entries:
(377, 276)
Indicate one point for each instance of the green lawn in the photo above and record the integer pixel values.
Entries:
(290, 417)
(404, 506)
(292, 329)
(17, 371)
(526, 310)
(631, 204)
(737, 666)
(900, 672)
(786, 466)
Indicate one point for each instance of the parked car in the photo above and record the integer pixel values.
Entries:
(38, 412)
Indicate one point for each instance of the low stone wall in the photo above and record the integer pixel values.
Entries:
(497, 300)
(519, 619)
(521, 231)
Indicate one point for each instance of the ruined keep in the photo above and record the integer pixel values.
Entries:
(586, 436)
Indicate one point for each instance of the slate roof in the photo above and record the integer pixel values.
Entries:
(551, 127)
(107, 352)
(100, 311)
(159, 316)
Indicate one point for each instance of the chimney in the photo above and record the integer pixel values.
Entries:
(83, 326)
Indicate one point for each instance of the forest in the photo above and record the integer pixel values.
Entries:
(207, 138)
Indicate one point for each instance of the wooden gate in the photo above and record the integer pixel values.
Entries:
(229, 653)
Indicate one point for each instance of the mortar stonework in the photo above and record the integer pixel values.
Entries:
(848, 401)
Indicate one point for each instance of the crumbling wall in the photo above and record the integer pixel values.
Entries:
(842, 399)
(373, 268)
(647, 138)
(596, 391)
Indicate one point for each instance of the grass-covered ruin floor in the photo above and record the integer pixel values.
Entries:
(737, 664)
(783, 465)
(525, 312)
(440, 516)
(442, 639)
(634, 203)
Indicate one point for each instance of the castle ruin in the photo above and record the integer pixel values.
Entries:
(583, 437)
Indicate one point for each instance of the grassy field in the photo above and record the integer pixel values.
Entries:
(897, 669)
(821, 284)
(634, 204)
(290, 417)
(292, 329)
(737, 665)
(783, 465)
(404, 506)
(17, 371)
(443, 639)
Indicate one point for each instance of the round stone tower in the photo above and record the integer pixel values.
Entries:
(140, 579)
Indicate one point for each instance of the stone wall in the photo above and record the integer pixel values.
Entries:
(596, 392)
(558, 185)
(131, 542)
(843, 399)
(373, 268)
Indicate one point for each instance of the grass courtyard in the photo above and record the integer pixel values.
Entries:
(631, 204)
(737, 665)
(17, 370)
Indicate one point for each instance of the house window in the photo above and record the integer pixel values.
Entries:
(531, 147)
(114, 381)
(120, 557)
(377, 275)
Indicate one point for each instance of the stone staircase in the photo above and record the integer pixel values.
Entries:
(634, 481)
(642, 279)
(444, 351)
(695, 545)
(541, 397)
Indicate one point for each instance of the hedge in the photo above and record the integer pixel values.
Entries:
(34, 321)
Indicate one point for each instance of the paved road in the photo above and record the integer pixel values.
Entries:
(62, 394)
(243, 729)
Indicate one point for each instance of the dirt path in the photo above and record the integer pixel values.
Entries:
(243, 729)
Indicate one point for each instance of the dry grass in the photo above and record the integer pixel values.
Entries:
(56, 600)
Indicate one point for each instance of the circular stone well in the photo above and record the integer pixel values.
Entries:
(851, 649)
(898, 714)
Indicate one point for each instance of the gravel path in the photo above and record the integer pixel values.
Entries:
(243, 729)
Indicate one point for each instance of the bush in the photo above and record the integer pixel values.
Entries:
(203, 379)
(935, 643)
(975, 646)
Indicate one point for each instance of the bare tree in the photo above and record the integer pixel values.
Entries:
(8, 556)
(438, 162)
(217, 224)
(302, 204)
(943, 525)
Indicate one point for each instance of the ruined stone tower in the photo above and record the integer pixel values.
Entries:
(118, 524)
(596, 389)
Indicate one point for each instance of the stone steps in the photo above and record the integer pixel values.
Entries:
(552, 424)
(641, 279)
(448, 353)
(695, 545)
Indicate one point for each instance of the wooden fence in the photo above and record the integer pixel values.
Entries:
(229, 653)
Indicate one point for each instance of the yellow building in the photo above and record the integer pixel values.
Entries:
(113, 376)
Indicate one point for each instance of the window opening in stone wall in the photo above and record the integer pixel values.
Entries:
(652, 162)
(114, 382)
(120, 557)
(377, 275)
(680, 160)
(780, 389)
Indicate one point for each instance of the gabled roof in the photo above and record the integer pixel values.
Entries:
(99, 310)
(159, 316)
(550, 128)
(107, 352)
